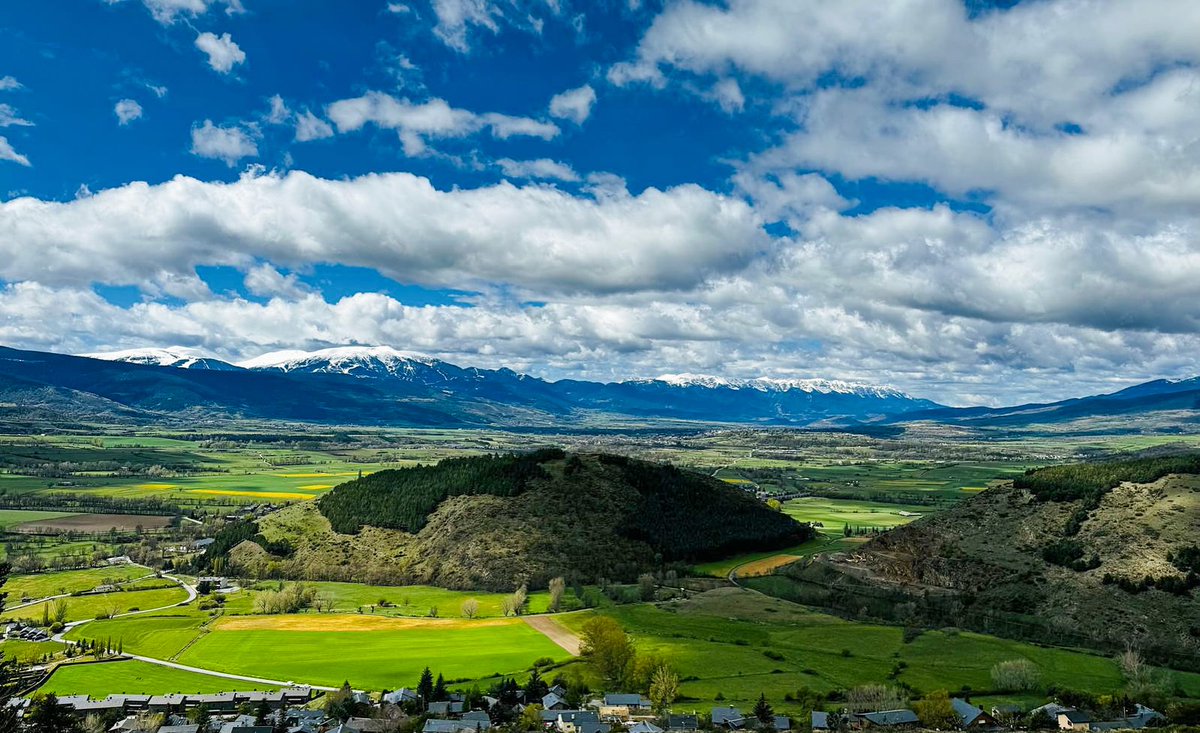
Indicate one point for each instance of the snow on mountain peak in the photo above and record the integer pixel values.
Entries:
(179, 357)
(773, 384)
(341, 359)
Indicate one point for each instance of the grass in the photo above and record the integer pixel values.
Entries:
(80, 608)
(42, 585)
(134, 677)
(379, 659)
(834, 514)
(417, 600)
(28, 651)
(13, 517)
(160, 635)
(326, 649)
(719, 642)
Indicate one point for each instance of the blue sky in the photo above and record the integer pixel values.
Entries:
(978, 203)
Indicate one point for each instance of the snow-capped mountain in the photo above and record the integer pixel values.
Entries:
(173, 356)
(352, 360)
(773, 384)
(413, 378)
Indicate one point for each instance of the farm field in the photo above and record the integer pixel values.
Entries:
(92, 522)
(821, 543)
(132, 676)
(15, 517)
(832, 515)
(42, 585)
(417, 600)
(372, 652)
(80, 608)
(719, 643)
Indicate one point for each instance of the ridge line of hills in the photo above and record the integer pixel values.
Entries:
(386, 387)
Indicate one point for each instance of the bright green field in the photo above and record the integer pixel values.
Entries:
(160, 635)
(28, 651)
(111, 678)
(328, 649)
(376, 659)
(80, 608)
(13, 517)
(834, 514)
(720, 638)
(42, 585)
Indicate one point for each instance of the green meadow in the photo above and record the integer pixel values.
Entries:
(43, 585)
(81, 608)
(326, 649)
(737, 644)
(134, 677)
(834, 514)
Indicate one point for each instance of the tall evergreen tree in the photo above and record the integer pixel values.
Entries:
(764, 712)
(425, 686)
(47, 716)
(439, 689)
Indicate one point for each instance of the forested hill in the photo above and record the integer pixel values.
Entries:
(493, 522)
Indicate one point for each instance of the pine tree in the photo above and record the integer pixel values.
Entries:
(764, 712)
(439, 689)
(425, 686)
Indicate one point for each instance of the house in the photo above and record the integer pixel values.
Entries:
(901, 718)
(569, 721)
(683, 723)
(201, 544)
(444, 708)
(477, 719)
(1142, 717)
(633, 702)
(1051, 709)
(435, 725)
(820, 720)
(403, 696)
(731, 718)
(553, 701)
(559, 690)
(782, 723)
(166, 703)
(189, 728)
(589, 726)
(645, 727)
(1074, 720)
(970, 716)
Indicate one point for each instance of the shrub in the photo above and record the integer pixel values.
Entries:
(1016, 675)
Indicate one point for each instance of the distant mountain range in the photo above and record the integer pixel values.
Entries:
(379, 385)
(385, 386)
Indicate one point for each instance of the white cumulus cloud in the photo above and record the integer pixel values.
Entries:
(127, 110)
(227, 143)
(223, 53)
(574, 104)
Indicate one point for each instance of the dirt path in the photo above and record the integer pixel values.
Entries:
(555, 632)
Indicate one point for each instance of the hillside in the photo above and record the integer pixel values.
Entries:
(493, 523)
(1067, 554)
